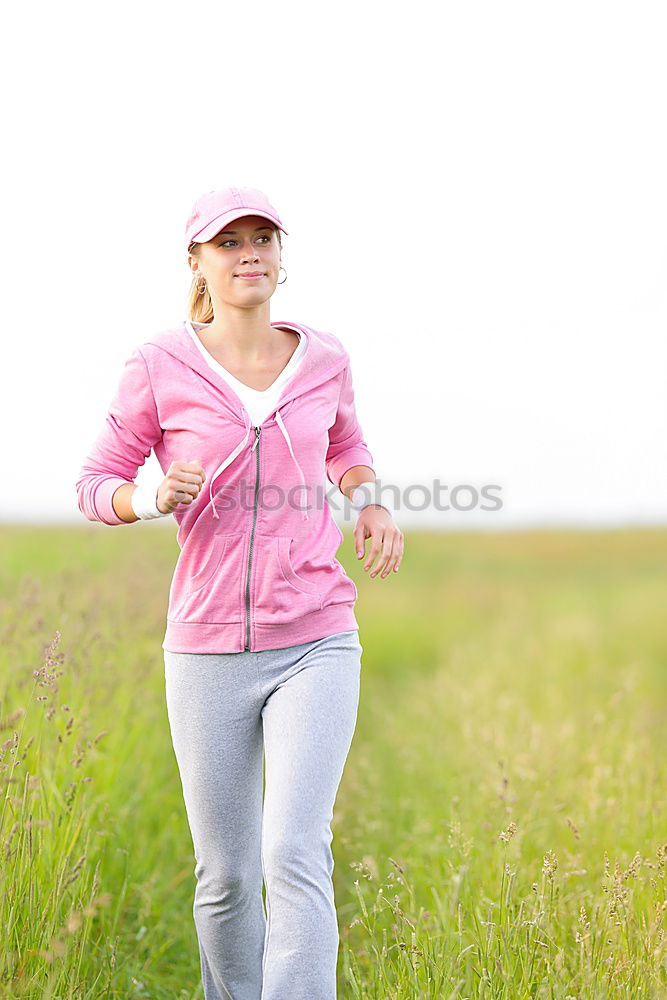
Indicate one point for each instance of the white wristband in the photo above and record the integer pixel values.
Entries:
(366, 494)
(144, 502)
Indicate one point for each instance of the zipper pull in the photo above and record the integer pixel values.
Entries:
(258, 431)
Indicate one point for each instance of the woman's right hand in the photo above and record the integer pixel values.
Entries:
(181, 485)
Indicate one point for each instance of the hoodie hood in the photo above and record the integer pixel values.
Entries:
(323, 358)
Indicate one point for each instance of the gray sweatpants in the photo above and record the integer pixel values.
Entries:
(297, 708)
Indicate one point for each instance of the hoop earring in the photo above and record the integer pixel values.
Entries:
(281, 268)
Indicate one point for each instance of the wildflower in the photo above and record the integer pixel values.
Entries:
(506, 835)
(550, 865)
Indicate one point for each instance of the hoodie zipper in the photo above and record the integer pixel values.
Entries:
(258, 431)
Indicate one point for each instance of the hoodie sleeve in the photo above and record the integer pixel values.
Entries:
(347, 447)
(131, 430)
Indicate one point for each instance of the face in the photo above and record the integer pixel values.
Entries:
(245, 245)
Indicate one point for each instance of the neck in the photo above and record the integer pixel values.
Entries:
(246, 334)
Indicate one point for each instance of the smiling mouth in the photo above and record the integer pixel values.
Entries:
(259, 274)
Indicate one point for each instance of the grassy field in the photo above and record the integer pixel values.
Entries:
(501, 827)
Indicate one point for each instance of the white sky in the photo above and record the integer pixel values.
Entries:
(476, 204)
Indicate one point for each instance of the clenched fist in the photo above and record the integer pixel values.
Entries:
(182, 484)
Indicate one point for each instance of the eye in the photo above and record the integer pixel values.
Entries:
(225, 242)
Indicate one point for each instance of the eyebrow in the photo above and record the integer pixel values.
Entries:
(233, 232)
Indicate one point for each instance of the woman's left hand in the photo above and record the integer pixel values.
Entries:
(376, 523)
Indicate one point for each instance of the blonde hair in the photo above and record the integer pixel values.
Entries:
(200, 307)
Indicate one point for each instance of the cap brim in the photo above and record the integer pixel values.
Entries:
(214, 227)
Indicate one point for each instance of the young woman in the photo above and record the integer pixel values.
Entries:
(248, 418)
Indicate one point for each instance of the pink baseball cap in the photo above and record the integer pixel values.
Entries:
(214, 210)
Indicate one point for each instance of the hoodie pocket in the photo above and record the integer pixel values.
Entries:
(280, 594)
(201, 581)
(203, 572)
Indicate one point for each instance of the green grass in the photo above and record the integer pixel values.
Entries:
(501, 827)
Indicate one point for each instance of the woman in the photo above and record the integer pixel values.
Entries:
(262, 653)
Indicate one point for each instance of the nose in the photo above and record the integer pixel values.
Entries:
(250, 254)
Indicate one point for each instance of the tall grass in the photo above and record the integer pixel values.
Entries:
(501, 827)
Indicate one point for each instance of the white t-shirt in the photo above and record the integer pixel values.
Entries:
(258, 402)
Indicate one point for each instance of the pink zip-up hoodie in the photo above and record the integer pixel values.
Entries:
(257, 567)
